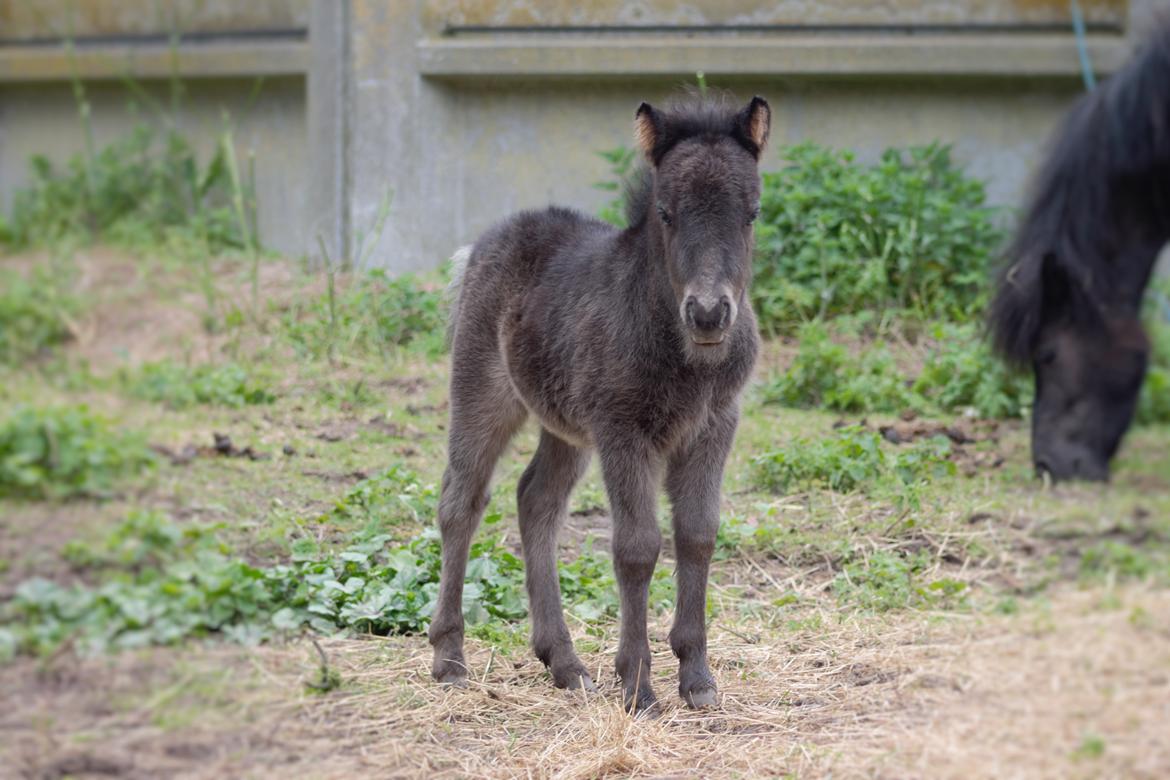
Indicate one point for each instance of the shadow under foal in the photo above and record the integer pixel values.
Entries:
(635, 343)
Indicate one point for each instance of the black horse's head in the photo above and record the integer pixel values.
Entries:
(1088, 359)
(1068, 299)
(701, 200)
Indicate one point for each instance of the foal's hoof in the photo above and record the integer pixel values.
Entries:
(574, 680)
(642, 705)
(701, 698)
(450, 672)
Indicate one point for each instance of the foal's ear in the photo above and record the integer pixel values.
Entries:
(753, 124)
(647, 129)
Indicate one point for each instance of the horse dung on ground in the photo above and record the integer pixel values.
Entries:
(1068, 300)
(635, 343)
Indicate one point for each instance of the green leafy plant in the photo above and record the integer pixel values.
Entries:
(374, 313)
(886, 580)
(621, 166)
(58, 452)
(825, 375)
(853, 459)
(1092, 747)
(182, 583)
(143, 538)
(384, 501)
(958, 374)
(1154, 402)
(1125, 561)
(180, 386)
(35, 311)
(737, 535)
(961, 373)
(134, 192)
(911, 232)
(844, 462)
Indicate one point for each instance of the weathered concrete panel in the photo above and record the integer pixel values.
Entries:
(526, 146)
(42, 119)
(404, 140)
(556, 55)
(460, 153)
(329, 127)
(48, 19)
(235, 57)
(620, 13)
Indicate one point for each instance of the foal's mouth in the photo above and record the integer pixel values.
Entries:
(709, 342)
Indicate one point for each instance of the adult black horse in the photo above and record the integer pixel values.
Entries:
(1069, 296)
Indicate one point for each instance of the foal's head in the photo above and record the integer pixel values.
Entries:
(703, 197)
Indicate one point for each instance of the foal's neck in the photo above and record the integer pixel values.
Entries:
(655, 274)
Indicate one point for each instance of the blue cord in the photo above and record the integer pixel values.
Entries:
(1078, 20)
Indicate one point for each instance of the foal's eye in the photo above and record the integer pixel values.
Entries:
(1046, 357)
(664, 215)
(752, 217)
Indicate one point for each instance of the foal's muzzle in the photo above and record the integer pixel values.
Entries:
(708, 316)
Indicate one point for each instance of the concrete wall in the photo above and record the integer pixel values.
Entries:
(472, 109)
(540, 148)
(466, 110)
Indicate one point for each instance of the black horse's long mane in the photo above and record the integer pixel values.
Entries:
(1103, 190)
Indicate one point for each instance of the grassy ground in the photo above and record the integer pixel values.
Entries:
(972, 623)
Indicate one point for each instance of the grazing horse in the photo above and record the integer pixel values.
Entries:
(1069, 296)
(635, 343)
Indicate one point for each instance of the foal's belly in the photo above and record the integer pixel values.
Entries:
(542, 383)
(554, 393)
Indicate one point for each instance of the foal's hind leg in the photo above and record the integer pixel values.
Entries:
(484, 415)
(542, 498)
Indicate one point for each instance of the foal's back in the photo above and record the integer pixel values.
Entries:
(538, 301)
(552, 252)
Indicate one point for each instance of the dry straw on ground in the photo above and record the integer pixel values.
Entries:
(1080, 687)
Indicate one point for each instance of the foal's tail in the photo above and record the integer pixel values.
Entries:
(458, 269)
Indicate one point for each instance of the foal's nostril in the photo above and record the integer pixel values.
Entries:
(701, 317)
(725, 312)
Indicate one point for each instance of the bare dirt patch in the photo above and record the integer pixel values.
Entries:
(138, 310)
(32, 536)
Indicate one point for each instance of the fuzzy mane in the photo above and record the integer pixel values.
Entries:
(1103, 190)
(639, 189)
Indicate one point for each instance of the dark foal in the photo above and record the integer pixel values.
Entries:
(632, 342)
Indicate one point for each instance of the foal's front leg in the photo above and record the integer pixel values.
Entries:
(631, 472)
(693, 481)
